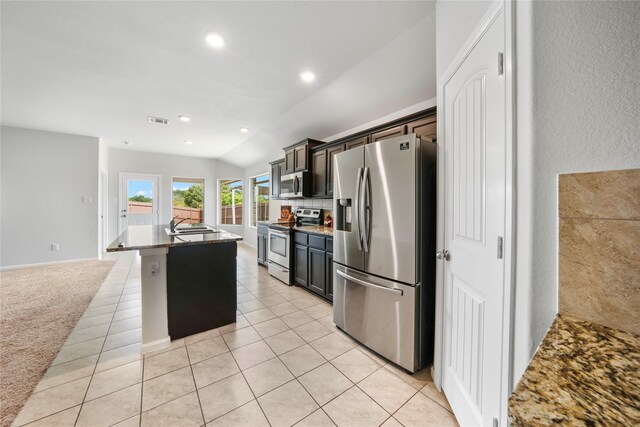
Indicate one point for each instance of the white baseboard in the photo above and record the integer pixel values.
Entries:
(40, 264)
(155, 345)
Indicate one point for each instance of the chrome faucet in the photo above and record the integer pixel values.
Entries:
(173, 224)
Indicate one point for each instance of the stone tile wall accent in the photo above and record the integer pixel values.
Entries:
(600, 247)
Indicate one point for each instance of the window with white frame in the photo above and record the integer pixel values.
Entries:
(230, 199)
(259, 198)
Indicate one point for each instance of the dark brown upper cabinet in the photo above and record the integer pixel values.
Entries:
(389, 133)
(297, 157)
(317, 157)
(424, 127)
(319, 169)
(277, 169)
(357, 142)
(301, 158)
(289, 161)
(331, 152)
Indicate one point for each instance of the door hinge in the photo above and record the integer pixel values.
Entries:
(495, 422)
(500, 247)
(500, 63)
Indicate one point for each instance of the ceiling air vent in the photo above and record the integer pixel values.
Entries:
(158, 120)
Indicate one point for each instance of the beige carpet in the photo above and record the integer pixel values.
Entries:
(39, 307)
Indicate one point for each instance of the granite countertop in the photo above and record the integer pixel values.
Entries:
(315, 229)
(137, 237)
(583, 374)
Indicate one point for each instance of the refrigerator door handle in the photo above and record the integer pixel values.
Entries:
(356, 207)
(365, 209)
(369, 285)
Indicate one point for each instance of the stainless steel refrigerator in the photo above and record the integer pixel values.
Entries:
(384, 247)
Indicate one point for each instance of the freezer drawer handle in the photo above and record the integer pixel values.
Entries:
(370, 285)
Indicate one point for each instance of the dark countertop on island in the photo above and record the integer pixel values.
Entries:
(137, 237)
(583, 374)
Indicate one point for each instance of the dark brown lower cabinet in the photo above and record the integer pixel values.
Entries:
(317, 271)
(300, 254)
(263, 257)
(201, 288)
(314, 263)
(329, 276)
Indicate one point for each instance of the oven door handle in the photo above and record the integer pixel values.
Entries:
(370, 285)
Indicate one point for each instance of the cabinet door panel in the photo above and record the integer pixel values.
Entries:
(388, 133)
(276, 172)
(301, 267)
(357, 142)
(301, 157)
(319, 170)
(317, 271)
(260, 249)
(289, 161)
(424, 127)
(329, 276)
(331, 152)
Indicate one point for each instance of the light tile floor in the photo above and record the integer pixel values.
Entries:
(282, 363)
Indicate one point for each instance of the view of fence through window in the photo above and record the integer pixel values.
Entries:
(188, 200)
(260, 198)
(140, 195)
(230, 192)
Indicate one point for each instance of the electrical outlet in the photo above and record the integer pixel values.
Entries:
(55, 247)
(153, 267)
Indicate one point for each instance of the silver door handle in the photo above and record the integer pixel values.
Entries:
(356, 207)
(445, 255)
(370, 285)
(364, 209)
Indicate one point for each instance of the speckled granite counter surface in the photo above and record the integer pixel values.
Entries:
(137, 237)
(315, 229)
(583, 374)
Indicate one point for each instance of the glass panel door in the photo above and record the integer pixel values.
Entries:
(139, 200)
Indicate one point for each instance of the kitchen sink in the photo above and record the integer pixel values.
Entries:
(182, 231)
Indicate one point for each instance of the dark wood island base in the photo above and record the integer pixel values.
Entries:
(201, 288)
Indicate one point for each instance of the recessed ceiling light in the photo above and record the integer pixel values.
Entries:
(307, 76)
(184, 118)
(214, 39)
(126, 142)
(186, 141)
(244, 130)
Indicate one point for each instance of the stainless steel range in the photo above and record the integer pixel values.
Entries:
(280, 245)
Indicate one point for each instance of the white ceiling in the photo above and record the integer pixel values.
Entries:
(100, 68)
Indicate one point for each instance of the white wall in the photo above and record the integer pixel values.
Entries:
(168, 167)
(44, 176)
(578, 104)
(583, 84)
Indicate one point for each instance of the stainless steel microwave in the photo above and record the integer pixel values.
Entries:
(295, 185)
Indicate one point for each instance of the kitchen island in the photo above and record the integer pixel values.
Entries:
(188, 280)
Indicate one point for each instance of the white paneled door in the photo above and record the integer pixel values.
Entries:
(475, 185)
(138, 200)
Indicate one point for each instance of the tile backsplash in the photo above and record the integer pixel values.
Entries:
(600, 247)
(325, 204)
